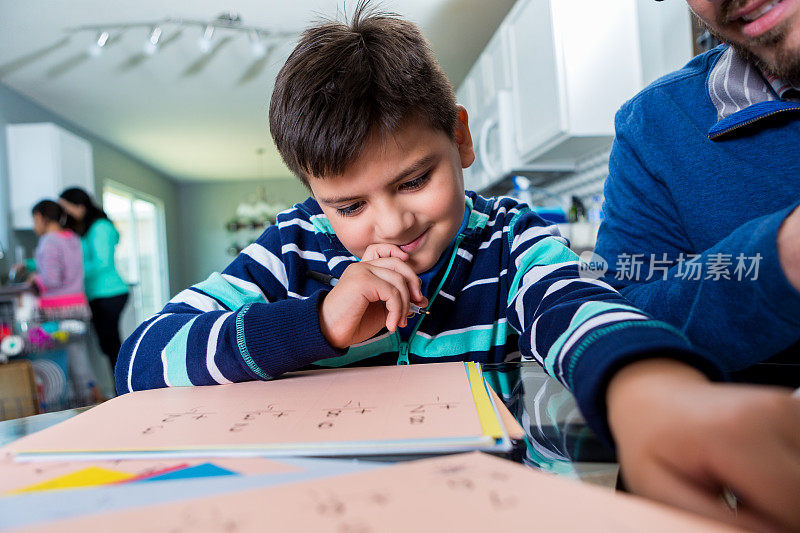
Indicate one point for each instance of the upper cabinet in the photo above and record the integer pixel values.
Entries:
(43, 160)
(543, 94)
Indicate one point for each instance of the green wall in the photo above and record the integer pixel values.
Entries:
(205, 207)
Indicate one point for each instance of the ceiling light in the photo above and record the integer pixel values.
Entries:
(97, 46)
(262, 40)
(204, 42)
(151, 45)
(257, 47)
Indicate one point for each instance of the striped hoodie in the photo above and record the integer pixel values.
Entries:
(510, 289)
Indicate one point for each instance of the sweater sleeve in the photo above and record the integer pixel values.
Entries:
(240, 325)
(49, 265)
(732, 300)
(577, 327)
(101, 240)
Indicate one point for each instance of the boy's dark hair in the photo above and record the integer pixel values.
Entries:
(50, 211)
(344, 83)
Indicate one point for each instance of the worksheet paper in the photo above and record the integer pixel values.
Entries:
(355, 411)
(40, 507)
(468, 492)
(15, 475)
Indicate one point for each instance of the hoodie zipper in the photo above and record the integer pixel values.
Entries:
(743, 124)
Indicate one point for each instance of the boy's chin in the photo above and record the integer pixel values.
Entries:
(422, 263)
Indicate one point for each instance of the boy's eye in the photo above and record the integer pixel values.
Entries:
(416, 183)
(350, 210)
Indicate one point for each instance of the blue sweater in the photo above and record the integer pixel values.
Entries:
(510, 288)
(672, 190)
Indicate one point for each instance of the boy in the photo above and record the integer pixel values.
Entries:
(365, 117)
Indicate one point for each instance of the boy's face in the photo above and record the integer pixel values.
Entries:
(405, 189)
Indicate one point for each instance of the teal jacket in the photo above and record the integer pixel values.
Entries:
(101, 278)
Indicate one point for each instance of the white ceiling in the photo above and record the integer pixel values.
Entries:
(193, 116)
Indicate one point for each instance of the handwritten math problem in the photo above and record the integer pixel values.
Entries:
(323, 409)
(468, 492)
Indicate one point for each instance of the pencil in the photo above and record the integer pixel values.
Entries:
(331, 281)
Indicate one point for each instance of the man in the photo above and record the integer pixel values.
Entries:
(702, 227)
(702, 230)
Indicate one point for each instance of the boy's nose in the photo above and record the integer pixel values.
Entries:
(392, 223)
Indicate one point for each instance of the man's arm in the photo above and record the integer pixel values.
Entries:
(687, 442)
(236, 326)
(578, 328)
(741, 320)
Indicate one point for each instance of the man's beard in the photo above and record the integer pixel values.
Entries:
(787, 62)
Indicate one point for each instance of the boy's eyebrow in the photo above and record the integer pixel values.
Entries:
(411, 169)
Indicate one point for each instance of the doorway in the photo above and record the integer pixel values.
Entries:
(141, 254)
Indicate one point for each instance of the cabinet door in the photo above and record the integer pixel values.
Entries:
(495, 62)
(466, 93)
(31, 165)
(43, 160)
(535, 77)
(75, 163)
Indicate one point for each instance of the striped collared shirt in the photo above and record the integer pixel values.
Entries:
(735, 84)
(784, 90)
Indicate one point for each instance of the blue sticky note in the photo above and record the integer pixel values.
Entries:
(190, 472)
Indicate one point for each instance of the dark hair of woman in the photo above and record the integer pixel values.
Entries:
(50, 211)
(78, 196)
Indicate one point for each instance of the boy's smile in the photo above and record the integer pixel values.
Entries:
(405, 189)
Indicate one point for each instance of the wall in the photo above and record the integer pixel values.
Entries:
(109, 163)
(204, 210)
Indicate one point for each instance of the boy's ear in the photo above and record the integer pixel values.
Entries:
(464, 138)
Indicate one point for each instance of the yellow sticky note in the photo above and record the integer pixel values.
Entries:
(87, 477)
(489, 422)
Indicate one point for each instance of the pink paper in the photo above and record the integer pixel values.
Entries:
(344, 405)
(469, 492)
(16, 475)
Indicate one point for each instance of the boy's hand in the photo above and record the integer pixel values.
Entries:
(375, 251)
(684, 441)
(369, 295)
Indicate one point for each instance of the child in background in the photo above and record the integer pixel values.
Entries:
(367, 120)
(58, 274)
(105, 289)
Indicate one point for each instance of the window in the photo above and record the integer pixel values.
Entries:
(141, 252)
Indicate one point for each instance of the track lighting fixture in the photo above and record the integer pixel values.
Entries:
(261, 39)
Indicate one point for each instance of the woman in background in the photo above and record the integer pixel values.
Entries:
(105, 289)
(58, 274)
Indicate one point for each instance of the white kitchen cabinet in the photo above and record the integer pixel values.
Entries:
(43, 160)
(478, 93)
(568, 66)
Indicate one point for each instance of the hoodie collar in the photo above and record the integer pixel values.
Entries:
(742, 96)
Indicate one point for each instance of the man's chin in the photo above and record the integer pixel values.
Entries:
(785, 63)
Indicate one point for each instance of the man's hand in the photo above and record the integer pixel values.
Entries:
(369, 295)
(685, 441)
(789, 247)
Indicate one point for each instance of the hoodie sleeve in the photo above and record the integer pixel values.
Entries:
(238, 325)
